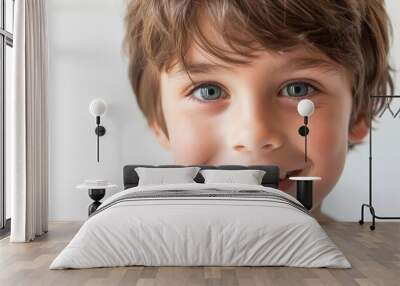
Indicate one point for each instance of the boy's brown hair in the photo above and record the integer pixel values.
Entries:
(353, 33)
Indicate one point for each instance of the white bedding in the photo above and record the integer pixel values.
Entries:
(182, 231)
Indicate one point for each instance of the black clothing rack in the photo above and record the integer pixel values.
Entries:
(369, 205)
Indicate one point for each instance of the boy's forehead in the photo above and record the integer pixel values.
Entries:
(199, 60)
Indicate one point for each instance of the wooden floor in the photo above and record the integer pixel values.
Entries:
(374, 255)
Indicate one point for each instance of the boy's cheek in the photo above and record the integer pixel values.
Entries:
(191, 142)
(329, 160)
(191, 139)
(328, 150)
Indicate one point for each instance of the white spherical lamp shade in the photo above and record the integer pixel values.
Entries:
(305, 107)
(97, 107)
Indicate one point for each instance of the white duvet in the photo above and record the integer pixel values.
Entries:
(200, 231)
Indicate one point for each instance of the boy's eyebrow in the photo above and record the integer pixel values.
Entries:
(198, 68)
(308, 63)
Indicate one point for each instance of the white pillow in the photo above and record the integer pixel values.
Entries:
(249, 177)
(162, 176)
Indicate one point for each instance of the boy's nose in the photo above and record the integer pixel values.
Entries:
(251, 140)
(256, 129)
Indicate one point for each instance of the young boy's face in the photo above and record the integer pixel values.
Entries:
(247, 114)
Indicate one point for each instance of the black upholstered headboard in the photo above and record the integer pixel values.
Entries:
(270, 179)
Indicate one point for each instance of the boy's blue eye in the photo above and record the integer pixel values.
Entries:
(298, 89)
(208, 92)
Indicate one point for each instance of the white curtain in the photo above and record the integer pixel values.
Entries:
(26, 123)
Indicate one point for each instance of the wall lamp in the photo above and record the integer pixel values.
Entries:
(98, 108)
(305, 108)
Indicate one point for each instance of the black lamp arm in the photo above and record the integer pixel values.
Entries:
(303, 131)
(100, 131)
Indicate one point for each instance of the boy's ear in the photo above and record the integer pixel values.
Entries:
(358, 131)
(160, 135)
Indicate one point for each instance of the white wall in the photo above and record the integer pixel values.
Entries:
(86, 62)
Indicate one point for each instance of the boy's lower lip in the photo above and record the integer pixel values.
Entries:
(285, 184)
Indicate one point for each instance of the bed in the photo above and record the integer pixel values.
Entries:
(201, 224)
